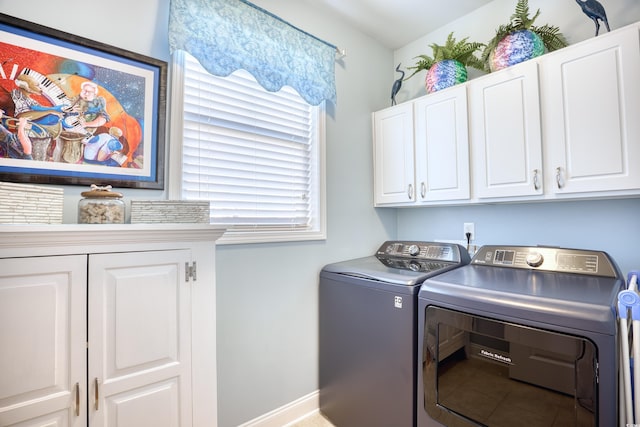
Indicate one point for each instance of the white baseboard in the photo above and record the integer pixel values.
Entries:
(288, 414)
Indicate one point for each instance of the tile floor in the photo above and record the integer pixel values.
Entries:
(315, 420)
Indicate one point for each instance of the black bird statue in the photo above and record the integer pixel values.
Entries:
(594, 10)
(396, 85)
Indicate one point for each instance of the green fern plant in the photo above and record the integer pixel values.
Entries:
(551, 36)
(461, 51)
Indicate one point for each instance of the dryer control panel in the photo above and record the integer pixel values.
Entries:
(547, 258)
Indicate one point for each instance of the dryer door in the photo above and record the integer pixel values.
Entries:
(485, 372)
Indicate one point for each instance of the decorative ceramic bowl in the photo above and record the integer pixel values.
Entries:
(514, 48)
(445, 74)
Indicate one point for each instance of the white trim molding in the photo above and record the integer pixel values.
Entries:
(288, 414)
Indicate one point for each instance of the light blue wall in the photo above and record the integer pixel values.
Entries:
(267, 294)
(609, 225)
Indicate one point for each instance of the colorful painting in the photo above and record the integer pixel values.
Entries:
(75, 111)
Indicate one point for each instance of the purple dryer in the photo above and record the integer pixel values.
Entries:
(520, 336)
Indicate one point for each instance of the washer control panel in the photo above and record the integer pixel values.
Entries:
(547, 258)
(421, 256)
(421, 251)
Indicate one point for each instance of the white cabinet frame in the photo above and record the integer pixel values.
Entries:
(22, 245)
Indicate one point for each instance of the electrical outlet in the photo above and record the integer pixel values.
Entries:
(470, 227)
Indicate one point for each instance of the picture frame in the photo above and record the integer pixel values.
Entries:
(79, 112)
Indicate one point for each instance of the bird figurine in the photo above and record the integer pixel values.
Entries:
(396, 85)
(594, 10)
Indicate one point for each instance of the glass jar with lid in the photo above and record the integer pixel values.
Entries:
(100, 205)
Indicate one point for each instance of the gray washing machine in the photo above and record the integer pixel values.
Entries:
(520, 336)
(368, 332)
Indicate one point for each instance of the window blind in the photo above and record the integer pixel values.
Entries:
(248, 151)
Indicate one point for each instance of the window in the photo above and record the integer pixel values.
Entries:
(257, 156)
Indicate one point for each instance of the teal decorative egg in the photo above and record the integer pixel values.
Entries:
(514, 48)
(445, 74)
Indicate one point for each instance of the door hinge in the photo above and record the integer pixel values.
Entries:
(190, 271)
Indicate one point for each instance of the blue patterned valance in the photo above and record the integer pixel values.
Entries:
(227, 35)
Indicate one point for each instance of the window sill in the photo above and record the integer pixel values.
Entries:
(240, 238)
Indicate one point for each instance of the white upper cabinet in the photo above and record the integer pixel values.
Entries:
(505, 132)
(591, 115)
(421, 150)
(442, 146)
(394, 155)
(565, 125)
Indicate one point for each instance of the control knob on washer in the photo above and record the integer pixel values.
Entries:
(535, 259)
(413, 250)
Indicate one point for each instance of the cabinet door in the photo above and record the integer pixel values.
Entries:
(393, 155)
(506, 144)
(139, 340)
(591, 104)
(442, 145)
(43, 341)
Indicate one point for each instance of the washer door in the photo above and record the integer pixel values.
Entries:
(484, 372)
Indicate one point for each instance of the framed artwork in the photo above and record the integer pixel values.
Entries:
(79, 112)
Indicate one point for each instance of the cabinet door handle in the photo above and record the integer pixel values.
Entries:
(559, 177)
(536, 180)
(96, 393)
(77, 387)
(423, 189)
(410, 191)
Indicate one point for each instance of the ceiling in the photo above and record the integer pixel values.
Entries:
(395, 23)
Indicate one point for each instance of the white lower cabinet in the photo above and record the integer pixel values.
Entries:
(43, 341)
(139, 332)
(103, 337)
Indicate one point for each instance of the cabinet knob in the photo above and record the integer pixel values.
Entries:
(410, 191)
(77, 389)
(96, 394)
(559, 177)
(536, 180)
(423, 189)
